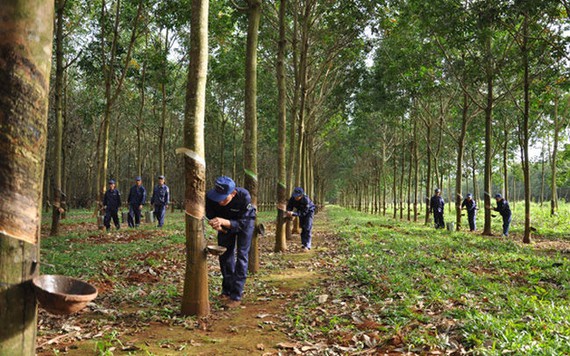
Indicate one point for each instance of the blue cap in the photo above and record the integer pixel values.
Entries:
(111, 181)
(223, 187)
(297, 192)
(498, 196)
(138, 178)
(469, 195)
(437, 190)
(161, 177)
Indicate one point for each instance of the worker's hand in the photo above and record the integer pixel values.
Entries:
(289, 214)
(219, 224)
(140, 207)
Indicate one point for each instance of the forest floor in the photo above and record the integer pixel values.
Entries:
(119, 323)
(370, 285)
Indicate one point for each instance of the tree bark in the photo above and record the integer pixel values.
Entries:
(526, 114)
(459, 164)
(195, 295)
(488, 139)
(402, 173)
(542, 165)
(416, 166)
(58, 140)
(506, 193)
(250, 114)
(280, 229)
(428, 173)
(474, 174)
(26, 30)
(394, 187)
(139, 158)
(553, 188)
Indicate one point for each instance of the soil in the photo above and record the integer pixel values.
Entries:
(258, 327)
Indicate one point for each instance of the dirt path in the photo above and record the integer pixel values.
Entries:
(259, 327)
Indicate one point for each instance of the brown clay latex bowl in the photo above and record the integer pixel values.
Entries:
(216, 250)
(62, 295)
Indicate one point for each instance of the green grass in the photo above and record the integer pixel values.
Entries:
(435, 290)
(77, 253)
(445, 289)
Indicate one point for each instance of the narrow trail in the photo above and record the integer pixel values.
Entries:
(260, 326)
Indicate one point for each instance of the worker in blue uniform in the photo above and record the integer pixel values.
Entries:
(160, 200)
(111, 204)
(470, 205)
(136, 200)
(305, 209)
(437, 208)
(505, 211)
(230, 212)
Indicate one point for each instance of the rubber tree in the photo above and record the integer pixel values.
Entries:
(280, 230)
(558, 125)
(487, 23)
(195, 295)
(58, 107)
(250, 114)
(524, 134)
(26, 30)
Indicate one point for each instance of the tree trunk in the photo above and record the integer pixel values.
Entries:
(402, 171)
(525, 134)
(163, 113)
(394, 190)
(506, 193)
(250, 114)
(280, 229)
(26, 29)
(303, 77)
(428, 173)
(65, 181)
(58, 140)
(234, 148)
(416, 166)
(488, 140)
(474, 173)
(459, 165)
(384, 194)
(293, 122)
(542, 180)
(409, 184)
(553, 188)
(195, 295)
(162, 130)
(139, 157)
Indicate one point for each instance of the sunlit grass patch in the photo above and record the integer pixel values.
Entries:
(493, 294)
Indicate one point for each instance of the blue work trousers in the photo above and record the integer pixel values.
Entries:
(306, 223)
(506, 225)
(438, 220)
(134, 218)
(111, 214)
(471, 220)
(159, 213)
(233, 262)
